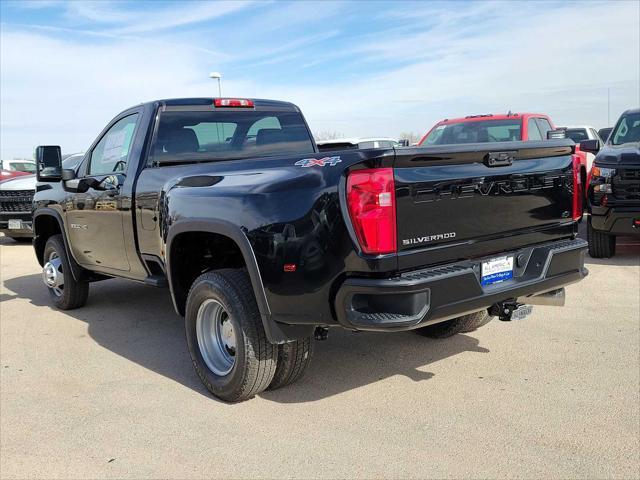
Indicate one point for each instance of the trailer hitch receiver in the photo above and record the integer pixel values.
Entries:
(510, 310)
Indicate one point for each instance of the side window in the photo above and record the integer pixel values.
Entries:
(532, 128)
(364, 145)
(544, 126)
(594, 134)
(111, 153)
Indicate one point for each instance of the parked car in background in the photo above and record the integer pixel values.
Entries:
(507, 127)
(355, 143)
(614, 188)
(603, 133)
(579, 133)
(16, 196)
(16, 168)
(21, 165)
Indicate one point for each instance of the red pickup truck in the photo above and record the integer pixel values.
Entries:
(507, 127)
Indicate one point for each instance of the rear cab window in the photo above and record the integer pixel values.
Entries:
(226, 134)
(479, 131)
(23, 167)
(577, 134)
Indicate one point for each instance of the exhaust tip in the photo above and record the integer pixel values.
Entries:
(554, 298)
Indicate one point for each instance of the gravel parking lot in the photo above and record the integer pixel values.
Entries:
(108, 391)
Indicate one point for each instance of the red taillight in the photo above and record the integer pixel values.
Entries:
(577, 189)
(233, 102)
(371, 199)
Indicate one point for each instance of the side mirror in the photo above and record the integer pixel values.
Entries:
(48, 163)
(557, 134)
(590, 146)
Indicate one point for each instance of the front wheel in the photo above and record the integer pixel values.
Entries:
(601, 245)
(225, 336)
(66, 292)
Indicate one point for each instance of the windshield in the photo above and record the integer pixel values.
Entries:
(475, 132)
(72, 161)
(222, 135)
(577, 134)
(627, 130)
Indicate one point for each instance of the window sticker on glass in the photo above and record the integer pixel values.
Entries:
(113, 146)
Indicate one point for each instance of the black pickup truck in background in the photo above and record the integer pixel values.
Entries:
(264, 242)
(614, 188)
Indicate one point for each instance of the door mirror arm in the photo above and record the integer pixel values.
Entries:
(110, 183)
(68, 174)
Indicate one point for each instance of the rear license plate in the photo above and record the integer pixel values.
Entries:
(15, 224)
(521, 312)
(497, 270)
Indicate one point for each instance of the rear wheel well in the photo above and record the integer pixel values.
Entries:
(194, 253)
(44, 227)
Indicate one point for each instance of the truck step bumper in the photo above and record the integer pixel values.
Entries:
(423, 297)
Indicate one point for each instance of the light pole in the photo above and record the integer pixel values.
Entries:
(608, 106)
(217, 76)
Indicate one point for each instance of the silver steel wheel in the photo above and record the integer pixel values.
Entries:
(216, 337)
(52, 274)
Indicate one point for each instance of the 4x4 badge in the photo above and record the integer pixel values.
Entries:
(318, 162)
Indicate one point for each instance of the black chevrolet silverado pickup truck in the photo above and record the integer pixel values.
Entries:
(264, 243)
(614, 187)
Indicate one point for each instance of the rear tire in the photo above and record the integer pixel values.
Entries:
(225, 336)
(601, 245)
(293, 360)
(463, 324)
(66, 293)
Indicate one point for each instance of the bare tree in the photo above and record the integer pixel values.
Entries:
(413, 137)
(327, 135)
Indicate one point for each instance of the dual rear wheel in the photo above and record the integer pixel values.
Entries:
(227, 342)
(463, 324)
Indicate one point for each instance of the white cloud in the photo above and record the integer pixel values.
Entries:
(129, 21)
(556, 60)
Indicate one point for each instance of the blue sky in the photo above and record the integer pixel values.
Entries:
(357, 68)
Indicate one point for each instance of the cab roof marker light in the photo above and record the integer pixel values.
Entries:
(233, 102)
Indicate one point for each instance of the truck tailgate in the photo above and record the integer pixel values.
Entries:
(467, 201)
